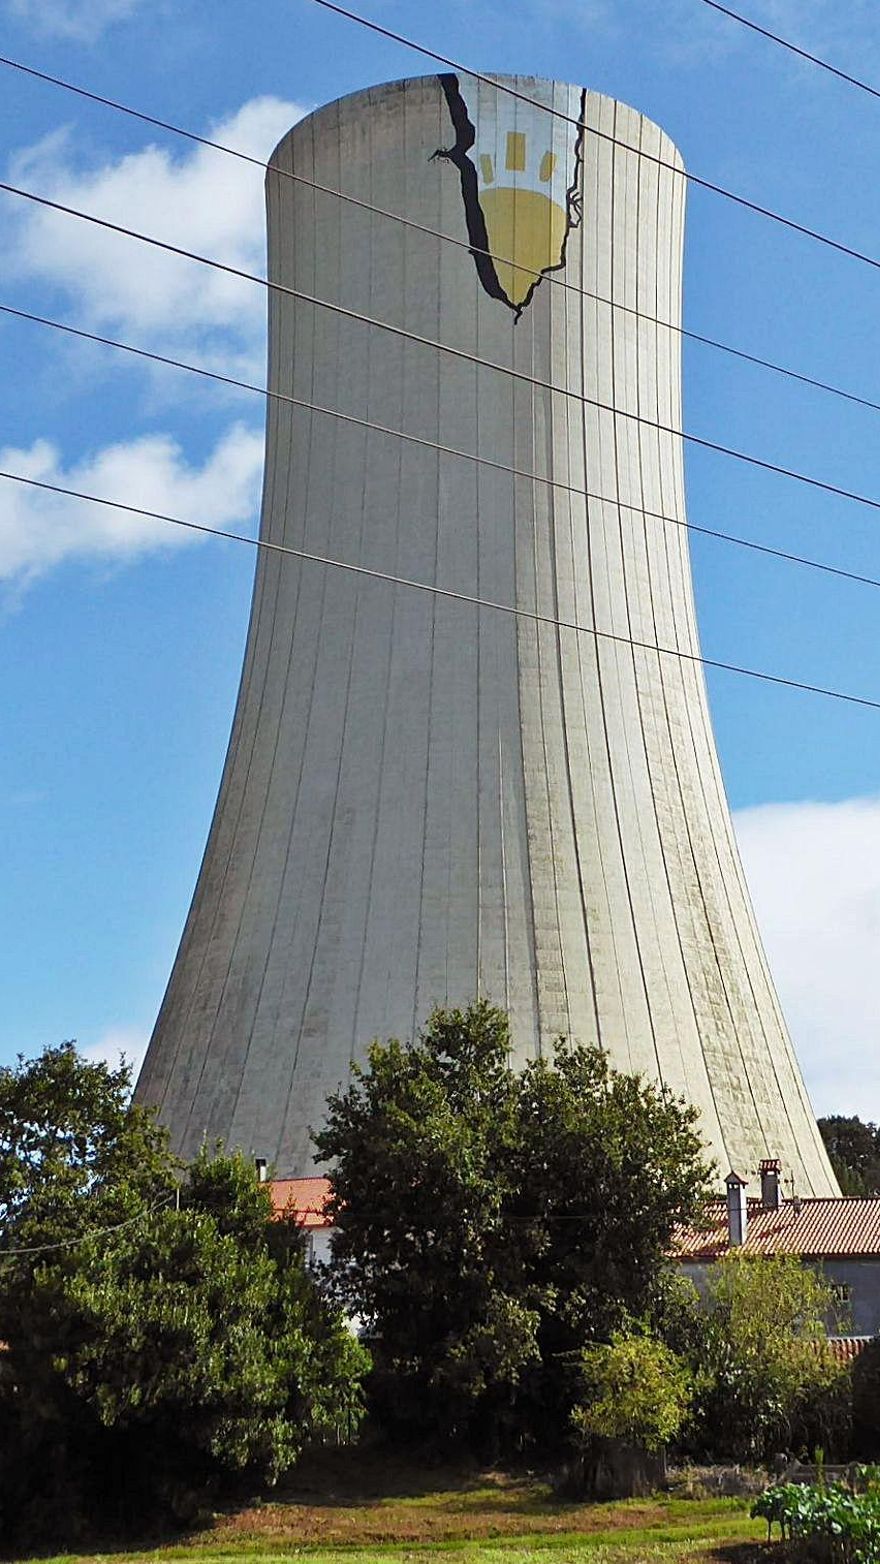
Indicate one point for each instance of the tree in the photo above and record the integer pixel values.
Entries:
(74, 1154)
(636, 1395)
(635, 1389)
(148, 1358)
(489, 1223)
(854, 1149)
(768, 1379)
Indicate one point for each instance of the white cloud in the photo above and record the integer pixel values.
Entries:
(814, 872)
(79, 20)
(118, 1043)
(199, 199)
(39, 529)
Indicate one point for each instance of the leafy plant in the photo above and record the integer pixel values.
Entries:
(159, 1339)
(491, 1222)
(635, 1389)
(766, 1374)
(842, 1527)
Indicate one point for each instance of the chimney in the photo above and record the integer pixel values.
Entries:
(737, 1210)
(770, 1170)
(261, 1166)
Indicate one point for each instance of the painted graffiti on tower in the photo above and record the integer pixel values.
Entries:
(520, 170)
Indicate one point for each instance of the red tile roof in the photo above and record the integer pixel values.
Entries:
(845, 1349)
(846, 1226)
(301, 1200)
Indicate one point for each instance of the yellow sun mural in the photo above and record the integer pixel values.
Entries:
(520, 175)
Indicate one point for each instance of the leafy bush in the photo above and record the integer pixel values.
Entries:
(767, 1380)
(636, 1390)
(635, 1395)
(841, 1527)
(158, 1341)
(491, 1222)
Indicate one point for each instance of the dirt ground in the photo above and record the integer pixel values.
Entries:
(352, 1497)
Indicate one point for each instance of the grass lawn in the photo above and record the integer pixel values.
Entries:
(353, 1509)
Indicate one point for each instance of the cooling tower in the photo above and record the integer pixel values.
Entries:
(425, 800)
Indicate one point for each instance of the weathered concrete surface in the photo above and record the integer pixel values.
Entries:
(423, 800)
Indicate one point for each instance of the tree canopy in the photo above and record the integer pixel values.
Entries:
(74, 1153)
(768, 1378)
(854, 1149)
(492, 1222)
(636, 1389)
(160, 1337)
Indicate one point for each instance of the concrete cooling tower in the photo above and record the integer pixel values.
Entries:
(426, 800)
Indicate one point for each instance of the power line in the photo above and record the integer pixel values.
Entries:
(794, 48)
(552, 278)
(446, 592)
(448, 450)
(442, 347)
(867, 402)
(81, 1238)
(650, 157)
(266, 166)
(501, 86)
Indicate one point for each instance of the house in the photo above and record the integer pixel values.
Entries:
(304, 1201)
(839, 1233)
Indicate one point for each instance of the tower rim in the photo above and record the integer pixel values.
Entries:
(500, 78)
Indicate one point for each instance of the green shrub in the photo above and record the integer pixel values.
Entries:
(635, 1390)
(159, 1340)
(840, 1527)
(766, 1377)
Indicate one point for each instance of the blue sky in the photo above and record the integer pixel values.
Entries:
(121, 640)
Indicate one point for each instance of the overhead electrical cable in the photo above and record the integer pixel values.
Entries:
(442, 347)
(472, 599)
(586, 293)
(448, 450)
(552, 278)
(82, 1238)
(695, 179)
(604, 135)
(794, 48)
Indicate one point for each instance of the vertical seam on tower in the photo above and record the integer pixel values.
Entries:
(273, 597)
(258, 832)
(344, 723)
(618, 159)
(520, 631)
(432, 607)
(555, 497)
(592, 650)
(632, 528)
(536, 399)
(270, 786)
(387, 661)
(645, 543)
(681, 544)
(687, 702)
(660, 312)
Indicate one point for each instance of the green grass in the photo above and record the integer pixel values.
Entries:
(350, 1511)
(700, 1533)
(572, 1551)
